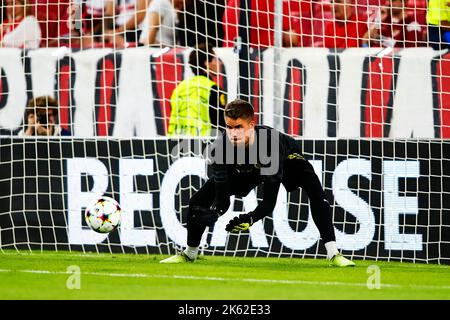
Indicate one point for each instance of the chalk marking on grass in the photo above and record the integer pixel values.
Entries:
(106, 255)
(276, 281)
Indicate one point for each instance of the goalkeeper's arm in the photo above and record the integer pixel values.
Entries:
(245, 221)
(222, 187)
(267, 205)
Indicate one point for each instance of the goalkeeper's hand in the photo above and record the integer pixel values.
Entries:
(241, 223)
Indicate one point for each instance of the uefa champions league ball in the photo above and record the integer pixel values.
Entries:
(104, 215)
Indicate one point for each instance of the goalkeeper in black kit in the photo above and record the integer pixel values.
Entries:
(245, 156)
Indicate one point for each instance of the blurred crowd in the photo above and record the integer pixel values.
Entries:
(186, 23)
(207, 24)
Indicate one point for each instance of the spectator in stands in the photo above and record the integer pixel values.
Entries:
(75, 29)
(297, 23)
(77, 23)
(20, 29)
(438, 19)
(53, 19)
(95, 15)
(126, 21)
(197, 102)
(200, 21)
(88, 19)
(347, 28)
(41, 117)
(160, 22)
(262, 23)
(394, 27)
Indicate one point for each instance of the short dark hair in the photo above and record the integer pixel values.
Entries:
(201, 54)
(239, 109)
(42, 104)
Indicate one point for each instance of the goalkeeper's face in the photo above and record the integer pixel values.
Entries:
(240, 131)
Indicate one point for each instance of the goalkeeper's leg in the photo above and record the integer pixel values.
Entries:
(198, 217)
(321, 214)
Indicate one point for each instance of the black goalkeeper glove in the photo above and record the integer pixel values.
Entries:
(241, 223)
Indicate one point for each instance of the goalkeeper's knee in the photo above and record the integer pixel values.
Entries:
(202, 216)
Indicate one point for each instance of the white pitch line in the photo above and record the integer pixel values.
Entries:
(280, 281)
(405, 265)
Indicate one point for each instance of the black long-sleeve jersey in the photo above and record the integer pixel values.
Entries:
(272, 159)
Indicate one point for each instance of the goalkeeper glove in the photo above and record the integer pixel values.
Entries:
(241, 223)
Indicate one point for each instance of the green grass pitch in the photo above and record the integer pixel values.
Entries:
(44, 275)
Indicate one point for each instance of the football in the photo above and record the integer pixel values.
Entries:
(104, 215)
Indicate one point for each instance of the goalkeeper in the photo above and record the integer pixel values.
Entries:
(239, 161)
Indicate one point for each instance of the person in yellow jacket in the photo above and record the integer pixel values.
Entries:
(197, 103)
(438, 20)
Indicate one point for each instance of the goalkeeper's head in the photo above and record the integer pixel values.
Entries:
(240, 123)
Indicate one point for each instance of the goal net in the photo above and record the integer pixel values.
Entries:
(362, 84)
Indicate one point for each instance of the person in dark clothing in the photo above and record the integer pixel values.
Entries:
(41, 118)
(197, 102)
(200, 22)
(243, 157)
